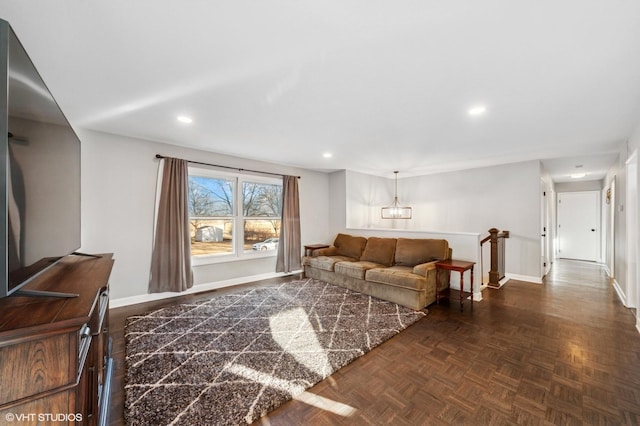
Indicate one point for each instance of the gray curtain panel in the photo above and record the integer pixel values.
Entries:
(171, 259)
(289, 248)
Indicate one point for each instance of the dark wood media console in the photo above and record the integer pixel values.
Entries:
(55, 353)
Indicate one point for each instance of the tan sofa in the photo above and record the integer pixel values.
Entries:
(400, 270)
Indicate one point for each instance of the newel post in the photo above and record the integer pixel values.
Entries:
(494, 275)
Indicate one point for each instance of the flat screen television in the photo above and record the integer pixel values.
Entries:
(40, 177)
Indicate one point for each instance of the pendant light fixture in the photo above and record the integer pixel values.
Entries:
(395, 211)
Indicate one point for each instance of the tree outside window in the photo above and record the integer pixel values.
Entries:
(262, 208)
(211, 215)
(220, 227)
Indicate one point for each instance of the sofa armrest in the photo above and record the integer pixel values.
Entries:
(329, 251)
(428, 270)
(424, 268)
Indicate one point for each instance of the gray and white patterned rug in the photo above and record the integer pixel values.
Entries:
(233, 358)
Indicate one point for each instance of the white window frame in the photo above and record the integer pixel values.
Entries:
(237, 217)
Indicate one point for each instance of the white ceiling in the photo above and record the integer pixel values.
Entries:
(381, 85)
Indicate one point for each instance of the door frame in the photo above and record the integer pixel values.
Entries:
(546, 236)
(633, 273)
(598, 223)
(609, 227)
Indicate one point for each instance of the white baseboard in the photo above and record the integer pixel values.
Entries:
(619, 292)
(477, 295)
(527, 278)
(199, 288)
(623, 299)
(606, 269)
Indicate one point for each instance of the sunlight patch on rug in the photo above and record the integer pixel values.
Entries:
(233, 358)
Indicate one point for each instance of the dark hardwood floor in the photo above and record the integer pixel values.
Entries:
(565, 352)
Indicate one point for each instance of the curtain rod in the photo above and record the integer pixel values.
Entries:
(227, 167)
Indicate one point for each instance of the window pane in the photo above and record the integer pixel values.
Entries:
(261, 234)
(210, 197)
(211, 236)
(261, 199)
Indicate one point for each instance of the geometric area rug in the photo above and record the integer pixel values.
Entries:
(231, 359)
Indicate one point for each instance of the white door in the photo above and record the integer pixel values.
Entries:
(578, 225)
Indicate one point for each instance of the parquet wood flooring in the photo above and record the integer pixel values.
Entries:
(565, 352)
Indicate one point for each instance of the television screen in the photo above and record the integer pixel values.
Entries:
(42, 180)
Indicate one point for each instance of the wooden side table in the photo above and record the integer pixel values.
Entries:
(459, 266)
(308, 249)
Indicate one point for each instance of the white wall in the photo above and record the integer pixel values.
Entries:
(627, 287)
(337, 202)
(619, 211)
(634, 151)
(617, 172)
(118, 199)
(366, 195)
(469, 201)
(578, 186)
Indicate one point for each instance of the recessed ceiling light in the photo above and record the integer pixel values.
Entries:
(477, 110)
(185, 119)
(578, 175)
(327, 155)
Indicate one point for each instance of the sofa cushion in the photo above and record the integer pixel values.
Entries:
(399, 276)
(355, 269)
(379, 250)
(326, 262)
(350, 246)
(411, 252)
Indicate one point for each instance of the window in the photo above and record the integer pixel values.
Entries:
(211, 215)
(262, 206)
(232, 215)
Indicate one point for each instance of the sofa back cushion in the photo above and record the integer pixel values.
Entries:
(379, 250)
(412, 252)
(350, 246)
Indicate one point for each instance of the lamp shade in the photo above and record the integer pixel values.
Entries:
(395, 210)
